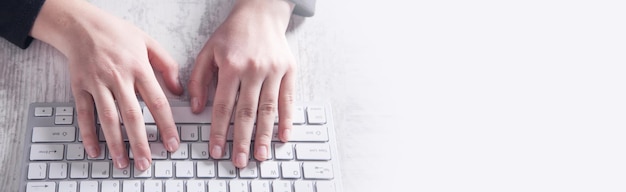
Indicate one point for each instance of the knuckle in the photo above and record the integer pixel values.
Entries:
(246, 113)
(108, 115)
(159, 103)
(132, 114)
(139, 146)
(82, 112)
(267, 108)
(263, 137)
(242, 145)
(222, 110)
(117, 148)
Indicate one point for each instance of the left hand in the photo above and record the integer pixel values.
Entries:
(256, 74)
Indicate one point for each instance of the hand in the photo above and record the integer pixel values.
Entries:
(109, 60)
(255, 77)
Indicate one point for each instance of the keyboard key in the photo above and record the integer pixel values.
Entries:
(79, 170)
(110, 186)
(88, 186)
(316, 114)
(152, 132)
(317, 170)
(58, 171)
(174, 186)
(67, 111)
(53, 134)
(238, 186)
(163, 169)
(189, 133)
(217, 186)
(196, 186)
(182, 115)
(46, 152)
(312, 151)
(184, 169)
(182, 152)
(200, 151)
(158, 151)
(250, 171)
(121, 173)
(143, 174)
(226, 169)
(309, 133)
(63, 120)
(269, 169)
(75, 151)
(281, 186)
(260, 186)
(152, 186)
(100, 169)
(131, 186)
(43, 111)
(325, 186)
(68, 186)
(41, 186)
(283, 151)
(290, 170)
(205, 169)
(37, 170)
(303, 186)
(102, 152)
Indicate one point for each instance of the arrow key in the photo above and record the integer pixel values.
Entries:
(41, 186)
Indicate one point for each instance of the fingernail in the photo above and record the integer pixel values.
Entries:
(261, 152)
(142, 164)
(121, 162)
(286, 135)
(92, 152)
(216, 152)
(241, 160)
(195, 104)
(172, 144)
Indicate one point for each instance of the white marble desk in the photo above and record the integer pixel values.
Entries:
(428, 95)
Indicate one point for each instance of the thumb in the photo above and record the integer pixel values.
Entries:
(165, 64)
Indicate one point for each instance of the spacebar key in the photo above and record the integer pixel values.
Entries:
(182, 115)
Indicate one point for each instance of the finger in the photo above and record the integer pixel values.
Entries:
(110, 122)
(165, 64)
(285, 105)
(245, 116)
(86, 122)
(201, 77)
(268, 102)
(160, 109)
(135, 128)
(225, 94)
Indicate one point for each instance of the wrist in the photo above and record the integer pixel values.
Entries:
(277, 11)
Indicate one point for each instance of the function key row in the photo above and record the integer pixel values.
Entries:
(64, 115)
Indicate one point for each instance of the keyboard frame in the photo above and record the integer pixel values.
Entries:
(44, 121)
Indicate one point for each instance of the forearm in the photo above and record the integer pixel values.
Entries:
(65, 23)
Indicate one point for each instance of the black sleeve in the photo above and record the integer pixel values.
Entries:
(16, 20)
(305, 8)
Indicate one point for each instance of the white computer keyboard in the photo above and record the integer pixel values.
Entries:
(55, 160)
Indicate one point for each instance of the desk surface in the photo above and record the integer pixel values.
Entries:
(427, 96)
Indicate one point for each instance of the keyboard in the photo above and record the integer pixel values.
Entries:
(55, 159)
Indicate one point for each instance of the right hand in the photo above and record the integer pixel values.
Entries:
(109, 60)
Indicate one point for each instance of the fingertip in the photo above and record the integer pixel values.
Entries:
(172, 144)
(284, 136)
